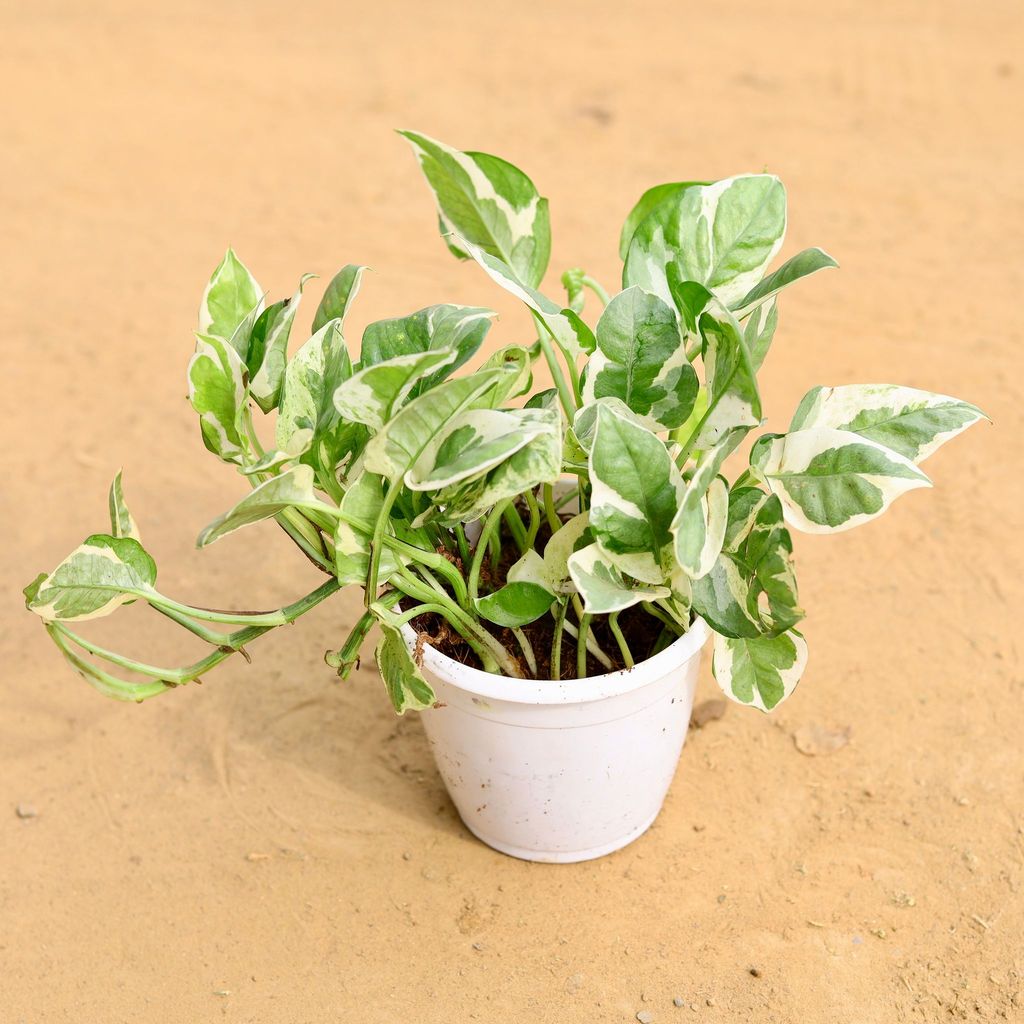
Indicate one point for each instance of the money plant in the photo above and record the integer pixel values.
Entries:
(512, 517)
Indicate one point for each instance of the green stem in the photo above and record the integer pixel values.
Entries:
(347, 657)
(588, 282)
(376, 544)
(581, 647)
(516, 528)
(464, 552)
(527, 649)
(491, 523)
(531, 534)
(549, 509)
(280, 617)
(627, 654)
(556, 643)
(566, 396)
(661, 616)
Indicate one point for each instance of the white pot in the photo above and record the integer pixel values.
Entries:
(561, 771)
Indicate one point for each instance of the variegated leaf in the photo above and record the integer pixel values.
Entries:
(584, 426)
(803, 264)
(560, 547)
(292, 489)
(98, 577)
(373, 394)
(722, 235)
(459, 328)
(338, 296)
(641, 360)
(733, 396)
(646, 205)
(268, 349)
(121, 522)
(489, 203)
(831, 480)
(911, 422)
(360, 509)
(517, 603)
(405, 684)
(603, 587)
(230, 297)
(396, 449)
(759, 330)
(636, 490)
(216, 389)
(762, 671)
(564, 325)
(475, 442)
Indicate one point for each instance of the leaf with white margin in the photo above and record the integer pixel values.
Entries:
(759, 330)
(475, 442)
(396, 449)
(540, 462)
(516, 604)
(803, 264)
(338, 296)
(403, 680)
(646, 205)
(733, 396)
(231, 295)
(761, 672)
(292, 489)
(216, 389)
(98, 577)
(584, 426)
(831, 480)
(360, 509)
(489, 203)
(275, 457)
(267, 353)
(911, 422)
(641, 360)
(564, 325)
(459, 328)
(722, 235)
(307, 420)
(560, 548)
(373, 394)
(636, 489)
(698, 527)
(603, 587)
(121, 522)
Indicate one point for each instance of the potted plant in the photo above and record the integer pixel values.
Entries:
(544, 566)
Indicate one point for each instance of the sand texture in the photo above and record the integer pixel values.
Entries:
(276, 847)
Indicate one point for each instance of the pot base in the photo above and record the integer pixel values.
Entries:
(563, 856)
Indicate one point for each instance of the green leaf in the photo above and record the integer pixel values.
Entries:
(404, 682)
(489, 203)
(759, 330)
(121, 522)
(217, 391)
(691, 298)
(762, 671)
(641, 359)
(699, 528)
(803, 264)
(97, 577)
(459, 328)
(636, 490)
(831, 480)
(722, 235)
(372, 395)
(603, 587)
(515, 604)
(475, 442)
(911, 422)
(338, 296)
(733, 396)
(646, 205)
(292, 489)
(268, 349)
(396, 449)
(228, 300)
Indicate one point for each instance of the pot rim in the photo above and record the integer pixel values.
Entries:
(562, 691)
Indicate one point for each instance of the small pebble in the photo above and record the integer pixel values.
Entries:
(645, 1017)
(478, 946)
(755, 972)
(678, 1001)
(25, 811)
(406, 855)
(709, 1001)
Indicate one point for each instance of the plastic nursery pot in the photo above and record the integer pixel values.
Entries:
(561, 771)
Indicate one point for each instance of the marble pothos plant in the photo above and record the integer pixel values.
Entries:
(378, 465)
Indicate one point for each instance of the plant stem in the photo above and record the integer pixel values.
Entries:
(549, 509)
(280, 617)
(527, 648)
(347, 657)
(464, 552)
(491, 523)
(516, 528)
(568, 398)
(652, 609)
(531, 534)
(581, 647)
(588, 282)
(627, 654)
(556, 643)
(376, 542)
(592, 645)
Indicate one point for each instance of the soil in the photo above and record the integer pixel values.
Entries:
(275, 846)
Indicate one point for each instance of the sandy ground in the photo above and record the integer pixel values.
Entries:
(275, 847)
